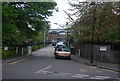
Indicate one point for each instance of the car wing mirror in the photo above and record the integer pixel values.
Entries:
(69, 48)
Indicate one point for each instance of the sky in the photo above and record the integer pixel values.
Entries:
(59, 17)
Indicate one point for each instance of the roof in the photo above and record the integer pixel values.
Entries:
(57, 30)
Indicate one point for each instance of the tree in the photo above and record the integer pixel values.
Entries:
(106, 21)
(23, 21)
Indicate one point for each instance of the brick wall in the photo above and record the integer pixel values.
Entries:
(51, 36)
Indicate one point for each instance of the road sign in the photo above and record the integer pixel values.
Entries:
(103, 48)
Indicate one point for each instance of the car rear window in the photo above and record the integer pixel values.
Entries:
(61, 46)
(66, 50)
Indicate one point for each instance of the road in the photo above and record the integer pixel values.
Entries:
(43, 65)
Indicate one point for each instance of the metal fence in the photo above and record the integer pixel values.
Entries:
(20, 50)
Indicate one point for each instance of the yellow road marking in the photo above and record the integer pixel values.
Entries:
(110, 70)
(19, 60)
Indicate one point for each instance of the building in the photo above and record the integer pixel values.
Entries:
(54, 34)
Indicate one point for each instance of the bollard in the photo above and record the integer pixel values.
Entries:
(16, 50)
(22, 51)
(79, 52)
(29, 50)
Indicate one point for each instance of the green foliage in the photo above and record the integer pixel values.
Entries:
(0, 53)
(36, 47)
(38, 38)
(24, 21)
(7, 53)
(104, 16)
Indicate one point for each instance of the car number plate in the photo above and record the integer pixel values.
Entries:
(63, 54)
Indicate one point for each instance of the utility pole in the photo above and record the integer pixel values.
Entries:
(93, 28)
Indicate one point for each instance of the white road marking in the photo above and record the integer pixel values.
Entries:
(102, 76)
(62, 74)
(95, 78)
(46, 72)
(82, 75)
(77, 76)
(99, 77)
(58, 74)
(43, 69)
(65, 73)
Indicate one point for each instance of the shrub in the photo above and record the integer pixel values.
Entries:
(8, 53)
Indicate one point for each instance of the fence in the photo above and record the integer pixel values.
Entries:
(103, 52)
(20, 50)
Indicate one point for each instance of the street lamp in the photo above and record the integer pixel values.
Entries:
(93, 28)
(67, 33)
(44, 37)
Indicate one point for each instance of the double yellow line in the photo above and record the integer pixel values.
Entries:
(18, 60)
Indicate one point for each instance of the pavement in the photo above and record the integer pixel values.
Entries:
(8, 60)
(104, 65)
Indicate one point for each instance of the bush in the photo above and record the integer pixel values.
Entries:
(8, 53)
(36, 47)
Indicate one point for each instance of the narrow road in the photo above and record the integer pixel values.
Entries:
(43, 65)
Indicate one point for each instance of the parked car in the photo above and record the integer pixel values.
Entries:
(60, 43)
(54, 43)
(59, 47)
(63, 53)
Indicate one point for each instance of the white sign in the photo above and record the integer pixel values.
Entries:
(103, 48)
(5, 48)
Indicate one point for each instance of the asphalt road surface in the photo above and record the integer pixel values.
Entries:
(43, 65)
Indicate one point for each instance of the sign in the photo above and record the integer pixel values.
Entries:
(5, 48)
(103, 48)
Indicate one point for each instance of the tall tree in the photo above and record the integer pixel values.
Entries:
(23, 21)
(106, 21)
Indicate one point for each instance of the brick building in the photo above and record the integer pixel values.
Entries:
(53, 34)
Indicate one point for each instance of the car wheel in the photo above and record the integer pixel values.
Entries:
(69, 58)
(56, 57)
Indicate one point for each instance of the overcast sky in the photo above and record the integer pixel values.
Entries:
(59, 17)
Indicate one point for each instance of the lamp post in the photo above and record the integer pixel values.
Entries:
(93, 28)
(44, 37)
(67, 33)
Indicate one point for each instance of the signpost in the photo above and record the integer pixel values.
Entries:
(102, 49)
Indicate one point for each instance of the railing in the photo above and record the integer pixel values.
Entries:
(20, 50)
